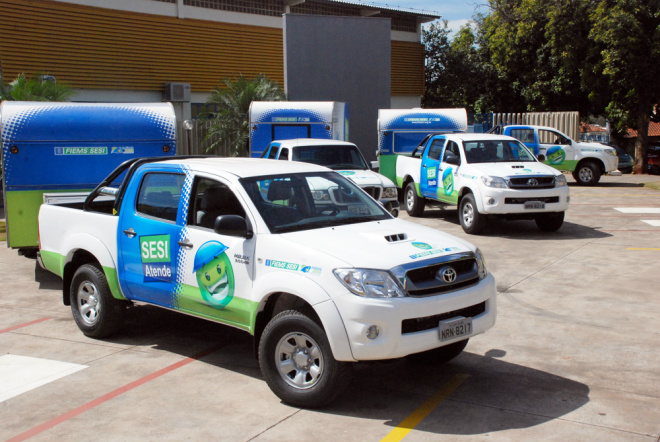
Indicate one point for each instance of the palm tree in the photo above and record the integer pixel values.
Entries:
(36, 88)
(229, 118)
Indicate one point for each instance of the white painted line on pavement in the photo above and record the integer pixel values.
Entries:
(653, 222)
(20, 374)
(638, 209)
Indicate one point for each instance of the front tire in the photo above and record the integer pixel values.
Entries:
(414, 204)
(587, 174)
(471, 220)
(297, 362)
(96, 312)
(550, 222)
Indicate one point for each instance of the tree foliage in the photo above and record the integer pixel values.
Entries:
(230, 119)
(35, 88)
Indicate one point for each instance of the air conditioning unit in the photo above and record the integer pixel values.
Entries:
(176, 92)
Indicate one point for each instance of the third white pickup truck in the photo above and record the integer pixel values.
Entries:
(484, 175)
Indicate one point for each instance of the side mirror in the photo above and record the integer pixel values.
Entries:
(233, 225)
(452, 159)
(541, 157)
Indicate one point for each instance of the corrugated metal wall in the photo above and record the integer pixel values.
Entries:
(566, 122)
(407, 68)
(87, 47)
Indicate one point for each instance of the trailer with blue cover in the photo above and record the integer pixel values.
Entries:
(400, 131)
(288, 120)
(52, 147)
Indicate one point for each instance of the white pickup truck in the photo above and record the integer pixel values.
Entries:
(320, 283)
(484, 175)
(342, 157)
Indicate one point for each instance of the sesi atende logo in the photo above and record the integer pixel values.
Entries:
(156, 261)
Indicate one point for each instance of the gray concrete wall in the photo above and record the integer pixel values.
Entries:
(341, 59)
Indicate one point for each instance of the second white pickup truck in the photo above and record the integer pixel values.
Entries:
(254, 244)
(484, 175)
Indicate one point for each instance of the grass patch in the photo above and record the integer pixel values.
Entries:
(3, 231)
(655, 185)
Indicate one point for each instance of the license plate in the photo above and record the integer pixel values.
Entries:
(455, 328)
(534, 205)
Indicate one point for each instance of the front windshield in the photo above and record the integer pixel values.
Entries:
(496, 151)
(332, 157)
(304, 201)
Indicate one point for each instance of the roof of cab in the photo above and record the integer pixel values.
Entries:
(312, 142)
(245, 167)
(477, 137)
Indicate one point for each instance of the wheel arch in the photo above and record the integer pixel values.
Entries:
(596, 161)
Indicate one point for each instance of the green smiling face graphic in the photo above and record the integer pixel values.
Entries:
(215, 275)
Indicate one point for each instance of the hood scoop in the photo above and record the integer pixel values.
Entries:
(396, 237)
(517, 167)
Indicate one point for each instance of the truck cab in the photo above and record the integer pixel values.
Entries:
(342, 157)
(484, 175)
(586, 161)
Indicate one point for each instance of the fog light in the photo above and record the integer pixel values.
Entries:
(373, 332)
(491, 201)
(568, 199)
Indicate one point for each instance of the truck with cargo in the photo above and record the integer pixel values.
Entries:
(344, 158)
(483, 175)
(320, 283)
(586, 161)
(66, 149)
(401, 130)
(285, 120)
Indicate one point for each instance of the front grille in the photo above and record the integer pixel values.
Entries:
(374, 191)
(431, 322)
(428, 280)
(532, 182)
(544, 199)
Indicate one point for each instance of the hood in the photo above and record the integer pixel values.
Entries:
(515, 168)
(380, 244)
(366, 178)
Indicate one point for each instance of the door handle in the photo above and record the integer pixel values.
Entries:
(130, 232)
(185, 243)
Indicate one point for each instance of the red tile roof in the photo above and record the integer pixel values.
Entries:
(584, 127)
(654, 131)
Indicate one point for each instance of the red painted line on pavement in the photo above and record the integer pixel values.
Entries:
(16, 327)
(106, 397)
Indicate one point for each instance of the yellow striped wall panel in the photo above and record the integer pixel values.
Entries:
(407, 68)
(88, 47)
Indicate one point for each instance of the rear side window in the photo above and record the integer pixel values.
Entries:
(159, 195)
(524, 135)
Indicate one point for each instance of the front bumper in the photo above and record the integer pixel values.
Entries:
(358, 314)
(509, 201)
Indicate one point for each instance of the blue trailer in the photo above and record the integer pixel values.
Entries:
(70, 147)
(288, 120)
(401, 130)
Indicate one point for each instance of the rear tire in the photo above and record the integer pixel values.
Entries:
(471, 220)
(414, 204)
(550, 222)
(587, 174)
(96, 312)
(297, 362)
(439, 356)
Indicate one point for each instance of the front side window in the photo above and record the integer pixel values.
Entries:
(212, 199)
(294, 202)
(159, 195)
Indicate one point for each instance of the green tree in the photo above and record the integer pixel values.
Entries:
(454, 71)
(230, 120)
(35, 88)
(629, 31)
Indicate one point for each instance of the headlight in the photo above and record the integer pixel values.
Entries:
(494, 181)
(481, 264)
(560, 181)
(611, 152)
(370, 283)
(389, 192)
(321, 195)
